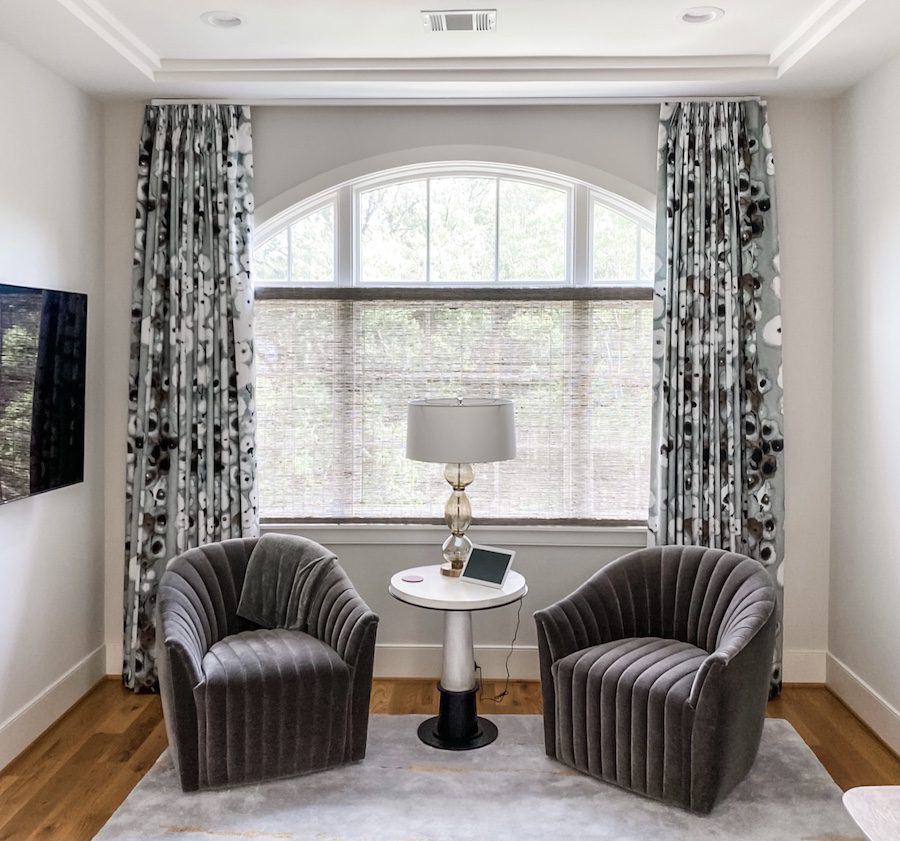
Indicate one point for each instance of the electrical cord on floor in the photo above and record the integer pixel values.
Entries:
(500, 696)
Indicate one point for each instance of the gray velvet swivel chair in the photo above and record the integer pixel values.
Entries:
(655, 672)
(246, 701)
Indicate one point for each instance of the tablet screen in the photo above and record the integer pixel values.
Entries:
(487, 566)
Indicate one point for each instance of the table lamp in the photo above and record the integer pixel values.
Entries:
(456, 432)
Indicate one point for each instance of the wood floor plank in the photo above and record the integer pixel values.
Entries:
(74, 776)
(52, 751)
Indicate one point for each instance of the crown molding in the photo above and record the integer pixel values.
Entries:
(96, 17)
(520, 69)
(561, 69)
(476, 63)
(811, 32)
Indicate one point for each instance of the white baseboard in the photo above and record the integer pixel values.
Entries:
(26, 724)
(866, 702)
(424, 661)
(803, 666)
(114, 658)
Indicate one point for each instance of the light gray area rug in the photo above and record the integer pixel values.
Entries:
(508, 791)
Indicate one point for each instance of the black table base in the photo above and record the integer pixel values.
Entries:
(457, 726)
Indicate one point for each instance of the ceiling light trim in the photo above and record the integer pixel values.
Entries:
(699, 15)
(96, 17)
(222, 19)
(812, 32)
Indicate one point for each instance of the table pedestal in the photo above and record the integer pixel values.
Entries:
(457, 725)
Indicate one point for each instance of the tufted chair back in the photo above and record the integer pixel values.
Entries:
(687, 593)
(204, 587)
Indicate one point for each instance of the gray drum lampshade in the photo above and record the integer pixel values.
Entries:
(460, 430)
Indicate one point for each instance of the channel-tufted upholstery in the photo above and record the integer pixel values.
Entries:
(655, 672)
(244, 703)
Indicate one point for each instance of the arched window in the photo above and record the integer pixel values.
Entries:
(473, 279)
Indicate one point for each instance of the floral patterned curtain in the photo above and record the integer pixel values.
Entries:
(718, 461)
(191, 471)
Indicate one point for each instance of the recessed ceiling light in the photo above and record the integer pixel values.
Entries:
(221, 20)
(702, 14)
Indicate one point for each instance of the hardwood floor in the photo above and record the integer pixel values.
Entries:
(399, 696)
(66, 785)
(850, 751)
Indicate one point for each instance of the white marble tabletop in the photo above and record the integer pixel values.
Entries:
(876, 810)
(442, 592)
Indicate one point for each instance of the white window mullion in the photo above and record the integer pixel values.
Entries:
(637, 254)
(497, 233)
(345, 243)
(427, 230)
(290, 256)
(580, 249)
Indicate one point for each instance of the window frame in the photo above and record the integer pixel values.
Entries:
(427, 173)
(578, 285)
(283, 222)
(641, 217)
(580, 202)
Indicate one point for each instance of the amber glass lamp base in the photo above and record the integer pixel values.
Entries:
(458, 516)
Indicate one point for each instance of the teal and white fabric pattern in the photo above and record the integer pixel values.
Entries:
(191, 461)
(718, 447)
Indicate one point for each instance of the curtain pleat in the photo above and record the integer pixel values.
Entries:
(718, 466)
(191, 464)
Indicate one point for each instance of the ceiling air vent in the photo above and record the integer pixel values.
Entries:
(461, 20)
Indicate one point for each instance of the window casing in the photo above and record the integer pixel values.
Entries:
(339, 356)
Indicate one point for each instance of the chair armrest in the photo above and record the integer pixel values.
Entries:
(750, 617)
(182, 640)
(340, 618)
(181, 632)
(577, 621)
(188, 653)
(350, 625)
(729, 698)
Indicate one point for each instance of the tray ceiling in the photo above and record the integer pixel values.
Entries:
(361, 50)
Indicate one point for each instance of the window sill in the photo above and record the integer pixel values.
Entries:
(387, 534)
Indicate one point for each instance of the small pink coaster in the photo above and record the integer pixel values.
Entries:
(412, 579)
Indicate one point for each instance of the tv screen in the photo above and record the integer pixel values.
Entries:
(43, 343)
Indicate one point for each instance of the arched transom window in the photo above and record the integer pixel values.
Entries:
(455, 279)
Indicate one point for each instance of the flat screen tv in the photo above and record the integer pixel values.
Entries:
(43, 343)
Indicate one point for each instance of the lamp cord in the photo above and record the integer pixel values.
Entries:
(500, 696)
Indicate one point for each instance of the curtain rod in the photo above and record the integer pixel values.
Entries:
(359, 102)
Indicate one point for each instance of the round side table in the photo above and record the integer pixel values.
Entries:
(876, 810)
(457, 725)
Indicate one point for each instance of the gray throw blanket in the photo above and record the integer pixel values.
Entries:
(280, 582)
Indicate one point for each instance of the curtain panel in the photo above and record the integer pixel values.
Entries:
(718, 449)
(191, 462)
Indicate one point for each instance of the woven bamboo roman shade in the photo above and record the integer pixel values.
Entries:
(335, 377)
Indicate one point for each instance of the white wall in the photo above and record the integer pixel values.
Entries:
(121, 133)
(299, 151)
(51, 563)
(801, 134)
(313, 146)
(864, 633)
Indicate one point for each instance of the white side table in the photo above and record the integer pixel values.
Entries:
(876, 810)
(457, 725)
